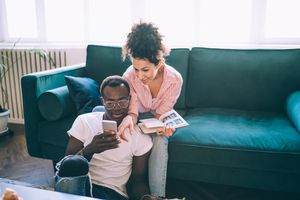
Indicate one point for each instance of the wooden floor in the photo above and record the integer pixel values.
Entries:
(17, 165)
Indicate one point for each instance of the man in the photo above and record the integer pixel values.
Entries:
(112, 162)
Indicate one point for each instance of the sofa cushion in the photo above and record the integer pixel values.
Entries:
(242, 142)
(56, 103)
(248, 79)
(261, 131)
(84, 92)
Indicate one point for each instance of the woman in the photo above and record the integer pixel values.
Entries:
(155, 88)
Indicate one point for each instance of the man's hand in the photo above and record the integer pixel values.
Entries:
(102, 142)
(126, 123)
(166, 131)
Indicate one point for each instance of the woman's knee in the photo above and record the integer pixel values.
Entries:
(160, 140)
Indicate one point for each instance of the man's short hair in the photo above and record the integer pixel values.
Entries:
(114, 81)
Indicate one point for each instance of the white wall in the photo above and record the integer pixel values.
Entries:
(76, 55)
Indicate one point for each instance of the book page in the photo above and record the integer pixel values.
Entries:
(173, 119)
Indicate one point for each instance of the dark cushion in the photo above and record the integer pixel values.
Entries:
(84, 92)
(56, 103)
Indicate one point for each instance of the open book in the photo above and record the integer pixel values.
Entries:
(171, 119)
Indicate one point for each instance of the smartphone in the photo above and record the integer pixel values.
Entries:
(109, 125)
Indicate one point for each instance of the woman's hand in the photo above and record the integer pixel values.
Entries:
(166, 131)
(126, 123)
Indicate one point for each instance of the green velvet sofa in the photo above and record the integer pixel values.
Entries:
(243, 107)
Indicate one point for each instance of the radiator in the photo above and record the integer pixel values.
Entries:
(20, 62)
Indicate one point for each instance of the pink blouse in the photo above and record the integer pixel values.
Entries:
(141, 98)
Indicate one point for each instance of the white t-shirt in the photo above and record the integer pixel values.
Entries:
(110, 168)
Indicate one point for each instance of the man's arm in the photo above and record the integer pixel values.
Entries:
(100, 143)
(138, 182)
(73, 146)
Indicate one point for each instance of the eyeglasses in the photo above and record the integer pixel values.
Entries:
(109, 105)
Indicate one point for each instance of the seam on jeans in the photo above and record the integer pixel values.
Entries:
(91, 185)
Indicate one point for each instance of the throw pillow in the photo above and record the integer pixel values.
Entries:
(84, 92)
(56, 104)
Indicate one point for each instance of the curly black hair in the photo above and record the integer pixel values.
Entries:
(145, 42)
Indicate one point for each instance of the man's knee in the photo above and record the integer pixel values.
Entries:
(73, 165)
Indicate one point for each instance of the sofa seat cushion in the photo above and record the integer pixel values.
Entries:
(235, 138)
(235, 144)
(239, 129)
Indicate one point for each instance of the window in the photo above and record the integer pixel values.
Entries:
(183, 23)
(109, 21)
(25, 25)
(62, 26)
(225, 21)
(176, 22)
(282, 18)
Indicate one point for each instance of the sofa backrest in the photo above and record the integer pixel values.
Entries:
(103, 61)
(253, 79)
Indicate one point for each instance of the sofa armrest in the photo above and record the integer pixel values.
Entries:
(33, 85)
(293, 108)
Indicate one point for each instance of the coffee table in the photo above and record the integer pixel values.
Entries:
(29, 193)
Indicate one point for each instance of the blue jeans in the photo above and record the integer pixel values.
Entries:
(106, 193)
(72, 177)
(98, 109)
(158, 162)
